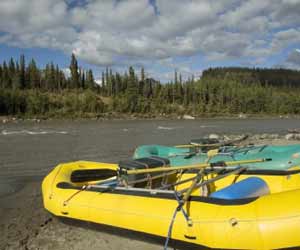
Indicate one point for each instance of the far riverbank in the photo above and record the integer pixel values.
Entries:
(114, 116)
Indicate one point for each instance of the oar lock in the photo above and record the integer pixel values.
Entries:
(122, 171)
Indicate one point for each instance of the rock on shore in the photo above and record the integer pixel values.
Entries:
(258, 137)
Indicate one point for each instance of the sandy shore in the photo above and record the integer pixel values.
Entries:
(24, 224)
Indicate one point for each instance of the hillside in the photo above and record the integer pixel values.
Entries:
(265, 76)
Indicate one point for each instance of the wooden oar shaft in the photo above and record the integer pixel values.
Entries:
(198, 145)
(218, 144)
(194, 166)
(218, 177)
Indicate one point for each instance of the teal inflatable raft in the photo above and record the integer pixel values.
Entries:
(283, 157)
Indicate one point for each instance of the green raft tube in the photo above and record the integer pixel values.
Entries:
(283, 157)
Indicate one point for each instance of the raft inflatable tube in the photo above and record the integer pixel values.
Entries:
(283, 157)
(265, 214)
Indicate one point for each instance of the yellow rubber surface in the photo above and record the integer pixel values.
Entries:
(268, 222)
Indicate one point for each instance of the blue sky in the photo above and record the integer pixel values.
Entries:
(160, 35)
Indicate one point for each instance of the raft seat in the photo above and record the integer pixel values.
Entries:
(247, 188)
(144, 163)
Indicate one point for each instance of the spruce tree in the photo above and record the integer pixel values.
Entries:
(22, 72)
(34, 74)
(12, 67)
(103, 84)
(90, 81)
(5, 76)
(132, 91)
(52, 77)
(13, 75)
(83, 85)
(119, 83)
(1, 77)
(58, 78)
(108, 82)
(112, 83)
(75, 82)
(142, 82)
(47, 77)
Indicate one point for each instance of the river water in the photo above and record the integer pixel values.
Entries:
(28, 151)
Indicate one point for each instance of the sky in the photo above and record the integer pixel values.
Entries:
(160, 35)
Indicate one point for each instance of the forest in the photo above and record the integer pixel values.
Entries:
(29, 91)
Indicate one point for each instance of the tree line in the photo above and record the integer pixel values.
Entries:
(16, 75)
(275, 77)
(27, 90)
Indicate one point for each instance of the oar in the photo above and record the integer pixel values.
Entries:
(218, 177)
(193, 166)
(85, 175)
(219, 144)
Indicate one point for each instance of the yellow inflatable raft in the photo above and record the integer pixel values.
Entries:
(266, 217)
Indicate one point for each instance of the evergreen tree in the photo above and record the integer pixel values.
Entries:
(12, 68)
(52, 77)
(148, 89)
(103, 83)
(58, 79)
(142, 82)
(47, 77)
(112, 82)
(6, 82)
(22, 72)
(83, 85)
(132, 91)
(90, 82)
(1, 77)
(33, 75)
(108, 82)
(12, 81)
(75, 79)
(119, 83)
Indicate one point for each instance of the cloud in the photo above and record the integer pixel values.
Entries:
(285, 38)
(143, 32)
(286, 13)
(67, 72)
(20, 17)
(292, 61)
(294, 58)
(98, 81)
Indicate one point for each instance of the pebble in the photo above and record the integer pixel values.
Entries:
(242, 116)
(292, 136)
(214, 136)
(188, 117)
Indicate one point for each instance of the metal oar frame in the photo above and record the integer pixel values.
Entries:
(197, 181)
(220, 169)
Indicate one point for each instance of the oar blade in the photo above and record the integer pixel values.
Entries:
(85, 175)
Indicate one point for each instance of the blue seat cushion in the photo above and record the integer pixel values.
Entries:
(247, 188)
